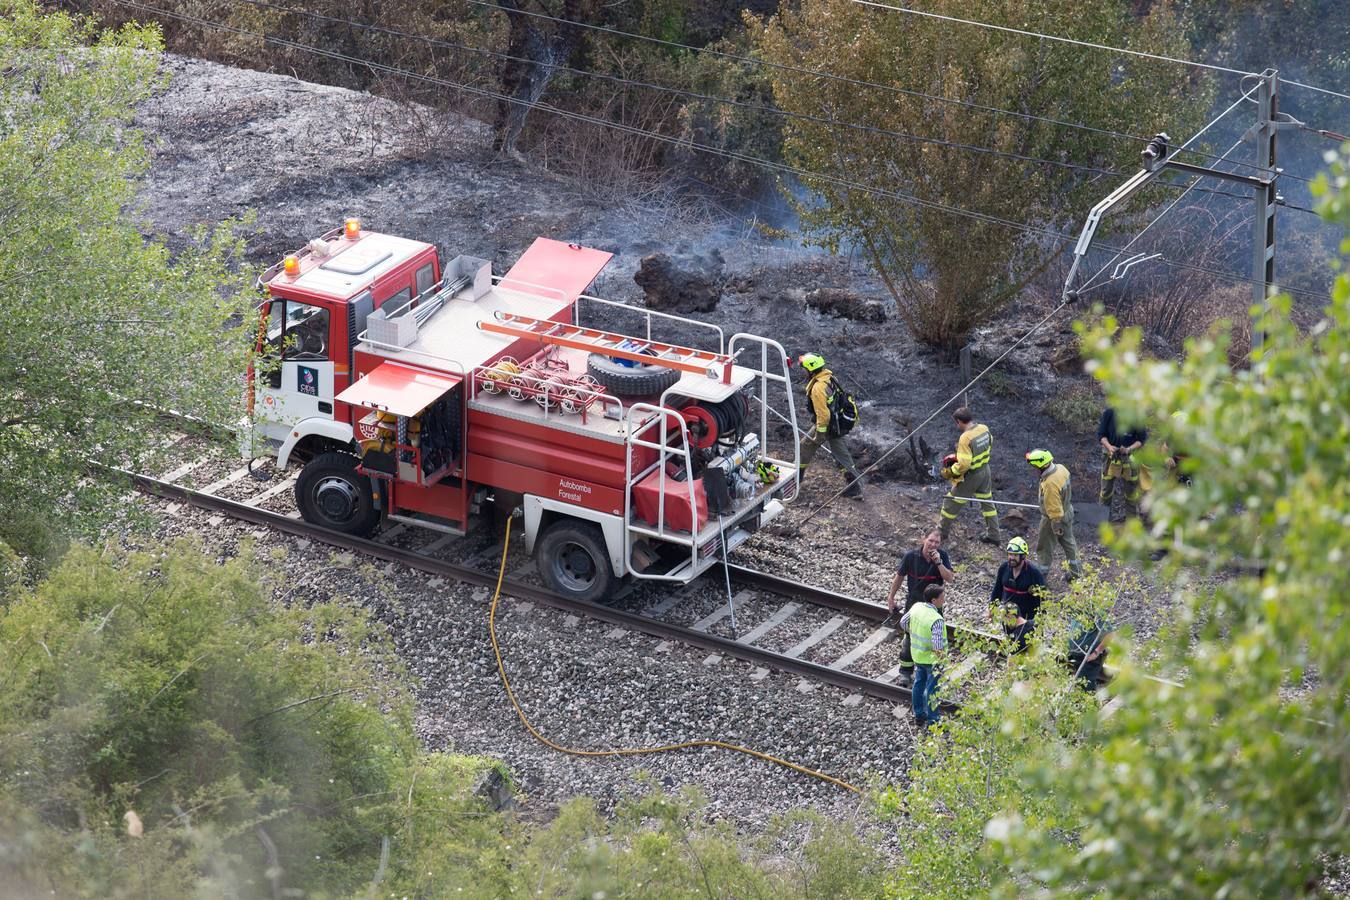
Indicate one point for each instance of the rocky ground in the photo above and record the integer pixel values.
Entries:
(303, 156)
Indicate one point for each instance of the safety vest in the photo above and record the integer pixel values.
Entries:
(921, 619)
(972, 449)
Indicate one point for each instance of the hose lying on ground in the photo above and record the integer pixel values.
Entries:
(624, 751)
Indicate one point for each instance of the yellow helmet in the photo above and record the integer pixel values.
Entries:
(1040, 458)
(1018, 545)
(812, 362)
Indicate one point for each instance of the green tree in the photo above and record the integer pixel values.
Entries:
(260, 748)
(950, 273)
(1238, 783)
(1232, 777)
(167, 730)
(95, 312)
(971, 771)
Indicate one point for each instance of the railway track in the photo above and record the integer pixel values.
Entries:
(771, 601)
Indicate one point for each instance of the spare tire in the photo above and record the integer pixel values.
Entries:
(624, 380)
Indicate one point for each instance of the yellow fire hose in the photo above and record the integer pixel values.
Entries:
(624, 751)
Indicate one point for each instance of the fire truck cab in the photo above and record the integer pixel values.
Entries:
(419, 392)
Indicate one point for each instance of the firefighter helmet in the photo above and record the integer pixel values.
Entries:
(812, 362)
(1018, 545)
(1040, 458)
(947, 462)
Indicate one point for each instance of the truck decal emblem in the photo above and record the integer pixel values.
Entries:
(307, 380)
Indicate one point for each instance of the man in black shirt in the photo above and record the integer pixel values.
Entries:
(927, 564)
(1018, 590)
(1118, 462)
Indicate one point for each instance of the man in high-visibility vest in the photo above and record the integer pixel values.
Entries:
(1056, 513)
(927, 640)
(970, 477)
(927, 565)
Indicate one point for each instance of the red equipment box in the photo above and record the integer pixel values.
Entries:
(647, 498)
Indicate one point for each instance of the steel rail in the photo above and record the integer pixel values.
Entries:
(818, 596)
(298, 527)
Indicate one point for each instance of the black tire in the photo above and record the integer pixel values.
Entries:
(630, 381)
(574, 561)
(332, 494)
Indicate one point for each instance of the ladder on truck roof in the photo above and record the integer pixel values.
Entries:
(621, 346)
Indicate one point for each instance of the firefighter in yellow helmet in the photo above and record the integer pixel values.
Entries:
(970, 477)
(1056, 513)
(820, 391)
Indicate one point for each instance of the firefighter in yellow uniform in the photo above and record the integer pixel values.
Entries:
(1056, 513)
(970, 477)
(819, 391)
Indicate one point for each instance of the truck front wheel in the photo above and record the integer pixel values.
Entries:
(574, 562)
(332, 494)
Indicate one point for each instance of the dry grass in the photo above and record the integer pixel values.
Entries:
(1077, 405)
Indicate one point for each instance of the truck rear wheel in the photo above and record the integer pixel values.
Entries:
(573, 561)
(332, 494)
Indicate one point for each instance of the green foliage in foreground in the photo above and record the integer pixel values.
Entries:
(1236, 784)
(972, 769)
(252, 743)
(261, 749)
(94, 311)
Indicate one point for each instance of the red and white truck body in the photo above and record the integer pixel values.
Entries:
(418, 393)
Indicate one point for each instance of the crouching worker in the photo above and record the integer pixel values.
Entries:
(1087, 650)
(1019, 588)
(927, 640)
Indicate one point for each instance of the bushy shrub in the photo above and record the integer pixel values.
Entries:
(1077, 405)
(257, 747)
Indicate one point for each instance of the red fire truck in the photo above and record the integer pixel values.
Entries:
(419, 392)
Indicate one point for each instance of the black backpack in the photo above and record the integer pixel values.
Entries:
(843, 410)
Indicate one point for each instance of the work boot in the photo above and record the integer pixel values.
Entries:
(991, 537)
(854, 490)
(905, 678)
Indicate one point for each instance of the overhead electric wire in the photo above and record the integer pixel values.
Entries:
(856, 82)
(651, 135)
(1076, 42)
(803, 70)
(1326, 133)
(1313, 87)
(772, 110)
(1092, 282)
(729, 101)
(1212, 122)
(1052, 37)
